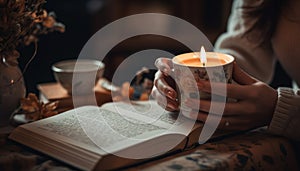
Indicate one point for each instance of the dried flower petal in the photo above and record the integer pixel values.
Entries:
(35, 110)
(22, 21)
(51, 105)
(49, 22)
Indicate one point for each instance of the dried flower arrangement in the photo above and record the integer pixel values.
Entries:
(34, 109)
(21, 22)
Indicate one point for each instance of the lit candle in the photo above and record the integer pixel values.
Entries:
(203, 59)
(191, 68)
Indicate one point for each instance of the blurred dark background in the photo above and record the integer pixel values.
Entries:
(83, 18)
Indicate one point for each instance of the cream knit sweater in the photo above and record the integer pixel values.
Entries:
(260, 62)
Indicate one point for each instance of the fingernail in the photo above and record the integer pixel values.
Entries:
(172, 106)
(171, 94)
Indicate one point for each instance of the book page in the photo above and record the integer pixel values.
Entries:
(115, 127)
(151, 112)
(110, 127)
(94, 128)
(144, 108)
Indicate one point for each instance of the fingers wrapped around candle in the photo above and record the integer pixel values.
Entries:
(242, 98)
(164, 93)
(234, 91)
(164, 101)
(253, 107)
(164, 85)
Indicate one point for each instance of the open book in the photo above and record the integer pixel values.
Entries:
(111, 136)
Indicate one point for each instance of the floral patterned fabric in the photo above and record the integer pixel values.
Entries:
(256, 150)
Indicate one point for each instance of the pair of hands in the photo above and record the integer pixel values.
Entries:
(254, 103)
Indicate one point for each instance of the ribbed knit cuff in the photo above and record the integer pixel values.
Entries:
(284, 111)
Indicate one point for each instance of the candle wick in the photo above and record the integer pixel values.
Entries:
(203, 64)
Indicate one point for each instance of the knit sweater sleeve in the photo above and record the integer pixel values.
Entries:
(260, 62)
(256, 60)
(286, 118)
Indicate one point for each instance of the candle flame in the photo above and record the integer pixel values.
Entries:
(203, 56)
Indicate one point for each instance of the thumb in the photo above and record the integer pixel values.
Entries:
(241, 76)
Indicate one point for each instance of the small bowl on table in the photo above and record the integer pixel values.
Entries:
(78, 76)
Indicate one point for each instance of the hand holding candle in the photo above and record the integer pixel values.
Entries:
(190, 69)
(253, 107)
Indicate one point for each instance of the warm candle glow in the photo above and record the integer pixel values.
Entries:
(203, 56)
